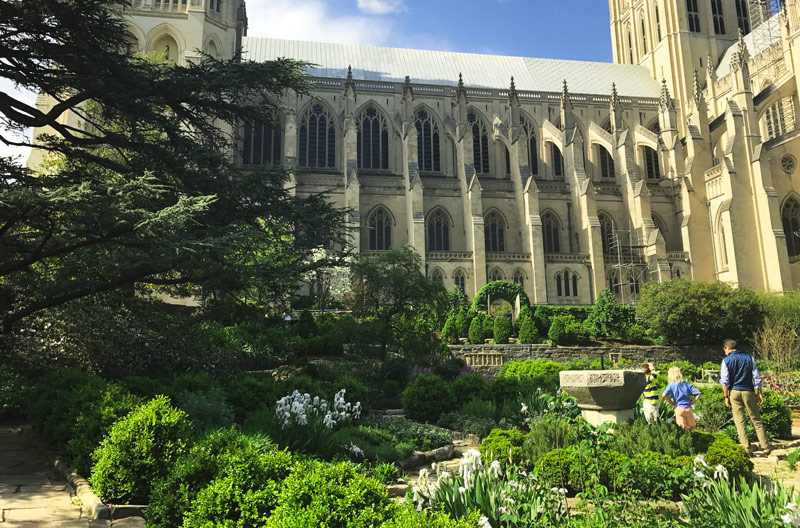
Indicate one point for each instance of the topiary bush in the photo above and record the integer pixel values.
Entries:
(331, 495)
(565, 330)
(731, 455)
(503, 445)
(140, 449)
(305, 326)
(427, 397)
(776, 416)
(463, 321)
(553, 469)
(528, 334)
(500, 290)
(476, 329)
(470, 386)
(449, 331)
(502, 329)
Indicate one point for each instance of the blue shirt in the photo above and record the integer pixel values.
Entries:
(739, 372)
(681, 393)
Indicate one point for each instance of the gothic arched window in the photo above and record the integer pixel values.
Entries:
(494, 233)
(644, 34)
(380, 230)
(438, 231)
(658, 25)
(566, 284)
(428, 154)
(606, 232)
(373, 140)
(496, 275)
(316, 139)
(437, 275)
(575, 284)
(723, 244)
(533, 153)
(519, 278)
(480, 144)
(558, 161)
(743, 16)
(791, 226)
(651, 164)
(559, 291)
(630, 44)
(693, 14)
(776, 120)
(606, 163)
(261, 144)
(460, 280)
(613, 282)
(550, 229)
(718, 16)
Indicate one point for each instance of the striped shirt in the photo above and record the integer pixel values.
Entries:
(651, 391)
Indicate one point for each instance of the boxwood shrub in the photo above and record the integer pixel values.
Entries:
(427, 397)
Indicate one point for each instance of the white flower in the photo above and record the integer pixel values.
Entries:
(483, 522)
(462, 490)
(495, 469)
(445, 475)
(562, 491)
(700, 461)
(355, 450)
(699, 474)
(524, 409)
(720, 472)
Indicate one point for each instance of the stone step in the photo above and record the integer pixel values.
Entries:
(42, 514)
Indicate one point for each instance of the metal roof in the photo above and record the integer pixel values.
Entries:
(757, 41)
(373, 63)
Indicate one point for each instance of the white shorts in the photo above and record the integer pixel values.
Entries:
(650, 410)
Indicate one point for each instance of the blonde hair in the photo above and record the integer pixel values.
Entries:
(674, 375)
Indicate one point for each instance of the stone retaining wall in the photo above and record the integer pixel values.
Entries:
(489, 358)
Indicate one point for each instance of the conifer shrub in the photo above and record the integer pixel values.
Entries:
(427, 397)
(450, 331)
(502, 329)
(476, 329)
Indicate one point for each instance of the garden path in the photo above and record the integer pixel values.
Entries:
(774, 466)
(32, 494)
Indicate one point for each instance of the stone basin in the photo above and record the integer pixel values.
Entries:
(604, 395)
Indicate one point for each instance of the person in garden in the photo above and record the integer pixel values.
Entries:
(679, 394)
(741, 383)
(650, 403)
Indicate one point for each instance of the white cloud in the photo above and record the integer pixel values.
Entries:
(312, 20)
(382, 7)
(6, 86)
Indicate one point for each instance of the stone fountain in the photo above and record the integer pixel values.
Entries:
(604, 395)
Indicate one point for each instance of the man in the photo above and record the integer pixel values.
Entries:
(650, 403)
(741, 383)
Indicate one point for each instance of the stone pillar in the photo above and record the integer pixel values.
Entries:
(604, 396)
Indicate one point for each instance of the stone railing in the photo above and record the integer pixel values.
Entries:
(713, 172)
(160, 6)
(507, 257)
(678, 255)
(447, 256)
(567, 257)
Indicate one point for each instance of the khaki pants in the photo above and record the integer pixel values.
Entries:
(746, 403)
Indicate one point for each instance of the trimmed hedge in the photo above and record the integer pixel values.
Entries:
(504, 290)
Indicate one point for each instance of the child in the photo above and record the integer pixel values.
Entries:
(650, 403)
(679, 394)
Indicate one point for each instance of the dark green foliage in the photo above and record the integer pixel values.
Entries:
(545, 312)
(377, 444)
(355, 391)
(776, 416)
(13, 393)
(607, 318)
(658, 475)
(450, 331)
(467, 423)
(145, 387)
(533, 372)
(528, 333)
(330, 495)
(701, 441)
(420, 436)
(545, 435)
(504, 390)
(95, 421)
(249, 393)
(662, 437)
(212, 456)
(463, 320)
(504, 445)
(470, 386)
(427, 397)
(192, 381)
(476, 332)
(301, 384)
(488, 327)
(479, 408)
(714, 415)
(502, 329)
(449, 367)
(305, 326)
(140, 449)
(731, 455)
(554, 468)
(565, 330)
(687, 312)
(206, 408)
(635, 334)
(500, 290)
(396, 368)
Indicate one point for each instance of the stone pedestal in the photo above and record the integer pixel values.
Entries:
(604, 395)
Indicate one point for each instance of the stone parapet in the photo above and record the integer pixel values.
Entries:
(490, 358)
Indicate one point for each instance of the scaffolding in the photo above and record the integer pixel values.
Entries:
(766, 52)
(630, 266)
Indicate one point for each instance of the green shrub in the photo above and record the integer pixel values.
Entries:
(243, 493)
(640, 438)
(470, 386)
(565, 330)
(544, 314)
(502, 329)
(776, 416)
(607, 318)
(210, 457)
(713, 415)
(657, 475)
(463, 321)
(731, 455)
(635, 334)
(144, 386)
(301, 384)
(305, 326)
(140, 449)
(206, 408)
(545, 434)
(500, 290)
(533, 372)
(408, 517)
(488, 327)
(449, 331)
(701, 441)
(385, 472)
(355, 390)
(427, 397)
(421, 436)
(687, 312)
(612, 466)
(449, 367)
(476, 329)
(504, 445)
(479, 408)
(377, 445)
(468, 424)
(95, 421)
(14, 391)
(503, 390)
(331, 495)
(553, 469)
(249, 393)
(793, 459)
(396, 368)
(528, 333)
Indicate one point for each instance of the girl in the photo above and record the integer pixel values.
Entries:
(679, 394)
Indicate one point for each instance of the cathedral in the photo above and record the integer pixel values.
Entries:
(567, 177)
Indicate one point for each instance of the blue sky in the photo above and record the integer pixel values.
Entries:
(558, 29)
